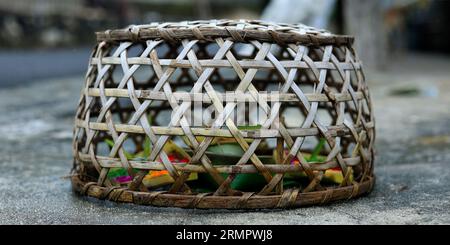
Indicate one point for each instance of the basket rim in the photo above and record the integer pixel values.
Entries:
(237, 30)
(291, 198)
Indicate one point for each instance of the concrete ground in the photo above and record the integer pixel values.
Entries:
(412, 164)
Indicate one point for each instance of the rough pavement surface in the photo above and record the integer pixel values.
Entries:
(412, 164)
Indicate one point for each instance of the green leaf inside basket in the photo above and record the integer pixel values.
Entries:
(117, 172)
(315, 154)
(230, 154)
(249, 127)
(227, 149)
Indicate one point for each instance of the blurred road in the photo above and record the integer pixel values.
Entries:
(22, 67)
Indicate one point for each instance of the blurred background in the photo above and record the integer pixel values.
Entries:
(36, 33)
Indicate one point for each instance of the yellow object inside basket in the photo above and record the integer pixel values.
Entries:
(336, 176)
(160, 178)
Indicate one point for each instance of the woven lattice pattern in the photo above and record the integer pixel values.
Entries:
(140, 88)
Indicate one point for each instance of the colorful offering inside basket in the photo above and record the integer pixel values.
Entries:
(224, 151)
(154, 178)
(333, 175)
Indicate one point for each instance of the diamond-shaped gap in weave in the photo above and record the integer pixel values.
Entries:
(144, 78)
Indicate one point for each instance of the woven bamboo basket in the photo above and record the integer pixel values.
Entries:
(135, 140)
